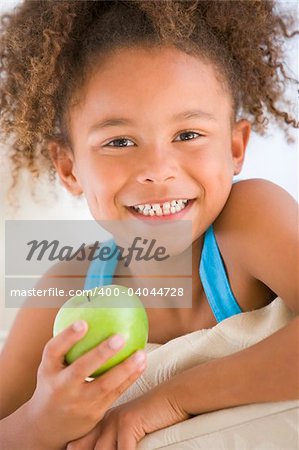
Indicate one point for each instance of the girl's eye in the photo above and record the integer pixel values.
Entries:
(125, 142)
(121, 142)
(187, 136)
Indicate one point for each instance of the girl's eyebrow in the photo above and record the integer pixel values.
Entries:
(191, 114)
(194, 113)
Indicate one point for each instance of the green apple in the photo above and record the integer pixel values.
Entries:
(108, 310)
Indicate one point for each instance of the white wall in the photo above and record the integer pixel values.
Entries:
(268, 157)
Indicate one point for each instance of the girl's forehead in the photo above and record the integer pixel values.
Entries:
(137, 76)
(143, 63)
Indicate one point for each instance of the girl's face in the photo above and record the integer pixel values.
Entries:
(154, 125)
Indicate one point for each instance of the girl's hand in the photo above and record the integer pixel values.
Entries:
(64, 406)
(124, 426)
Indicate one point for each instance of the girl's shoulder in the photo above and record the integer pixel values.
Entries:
(257, 233)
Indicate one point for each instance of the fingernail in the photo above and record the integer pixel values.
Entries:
(139, 357)
(79, 326)
(116, 342)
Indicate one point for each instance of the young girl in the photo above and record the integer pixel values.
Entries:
(143, 103)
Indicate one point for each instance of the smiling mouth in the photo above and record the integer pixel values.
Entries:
(174, 208)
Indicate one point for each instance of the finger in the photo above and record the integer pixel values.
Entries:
(55, 350)
(111, 397)
(114, 382)
(126, 439)
(107, 439)
(87, 442)
(84, 366)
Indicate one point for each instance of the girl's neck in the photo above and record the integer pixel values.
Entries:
(179, 273)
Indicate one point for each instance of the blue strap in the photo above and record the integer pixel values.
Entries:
(214, 279)
(100, 273)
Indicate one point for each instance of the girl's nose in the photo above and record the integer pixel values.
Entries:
(156, 167)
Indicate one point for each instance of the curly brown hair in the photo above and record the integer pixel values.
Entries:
(47, 48)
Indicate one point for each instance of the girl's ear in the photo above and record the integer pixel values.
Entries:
(64, 163)
(240, 137)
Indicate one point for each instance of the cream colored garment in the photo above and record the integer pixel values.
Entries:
(267, 426)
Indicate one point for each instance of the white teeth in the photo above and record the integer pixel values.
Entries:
(156, 206)
(166, 208)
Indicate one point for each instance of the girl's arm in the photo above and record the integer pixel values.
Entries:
(21, 356)
(265, 372)
(17, 431)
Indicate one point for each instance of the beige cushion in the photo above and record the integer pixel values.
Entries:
(266, 426)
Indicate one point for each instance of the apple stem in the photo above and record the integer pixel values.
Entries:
(88, 297)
